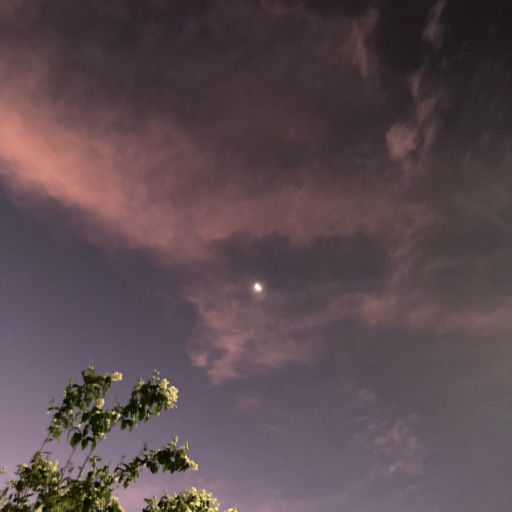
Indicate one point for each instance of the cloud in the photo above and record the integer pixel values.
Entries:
(119, 190)
(356, 47)
(366, 395)
(409, 143)
(395, 449)
(419, 312)
(402, 140)
(172, 185)
(402, 449)
(153, 180)
(238, 334)
(260, 142)
(433, 31)
(115, 184)
(247, 404)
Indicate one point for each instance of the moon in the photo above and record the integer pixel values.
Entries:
(257, 287)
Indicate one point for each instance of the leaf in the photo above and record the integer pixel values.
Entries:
(75, 439)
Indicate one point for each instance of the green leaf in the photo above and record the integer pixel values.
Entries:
(75, 439)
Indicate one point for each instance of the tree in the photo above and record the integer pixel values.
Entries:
(90, 486)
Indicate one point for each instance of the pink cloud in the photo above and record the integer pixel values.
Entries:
(105, 176)
(433, 31)
(238, 333)
(356, 47)
(409, 143)
(402, 140)
(111, 178)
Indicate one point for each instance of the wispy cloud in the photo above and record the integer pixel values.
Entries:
(433, 31)
(393, 447)
(400, 450)
(247, 404)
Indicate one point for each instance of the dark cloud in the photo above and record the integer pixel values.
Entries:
(353, 263)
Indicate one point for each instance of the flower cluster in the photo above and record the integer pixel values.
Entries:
(190, 500)
(170, 393)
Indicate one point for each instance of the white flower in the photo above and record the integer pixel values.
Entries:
(100, 403)
(191, 464)
(116, 376)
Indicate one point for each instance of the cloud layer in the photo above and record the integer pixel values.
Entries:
(262, 142)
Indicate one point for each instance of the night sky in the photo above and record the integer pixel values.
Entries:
(159, 158)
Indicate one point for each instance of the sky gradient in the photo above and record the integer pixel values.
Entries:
(158, 158)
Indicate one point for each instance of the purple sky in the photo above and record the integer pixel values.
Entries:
(158, 158)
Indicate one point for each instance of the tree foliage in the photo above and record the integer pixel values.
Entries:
(91, 485)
